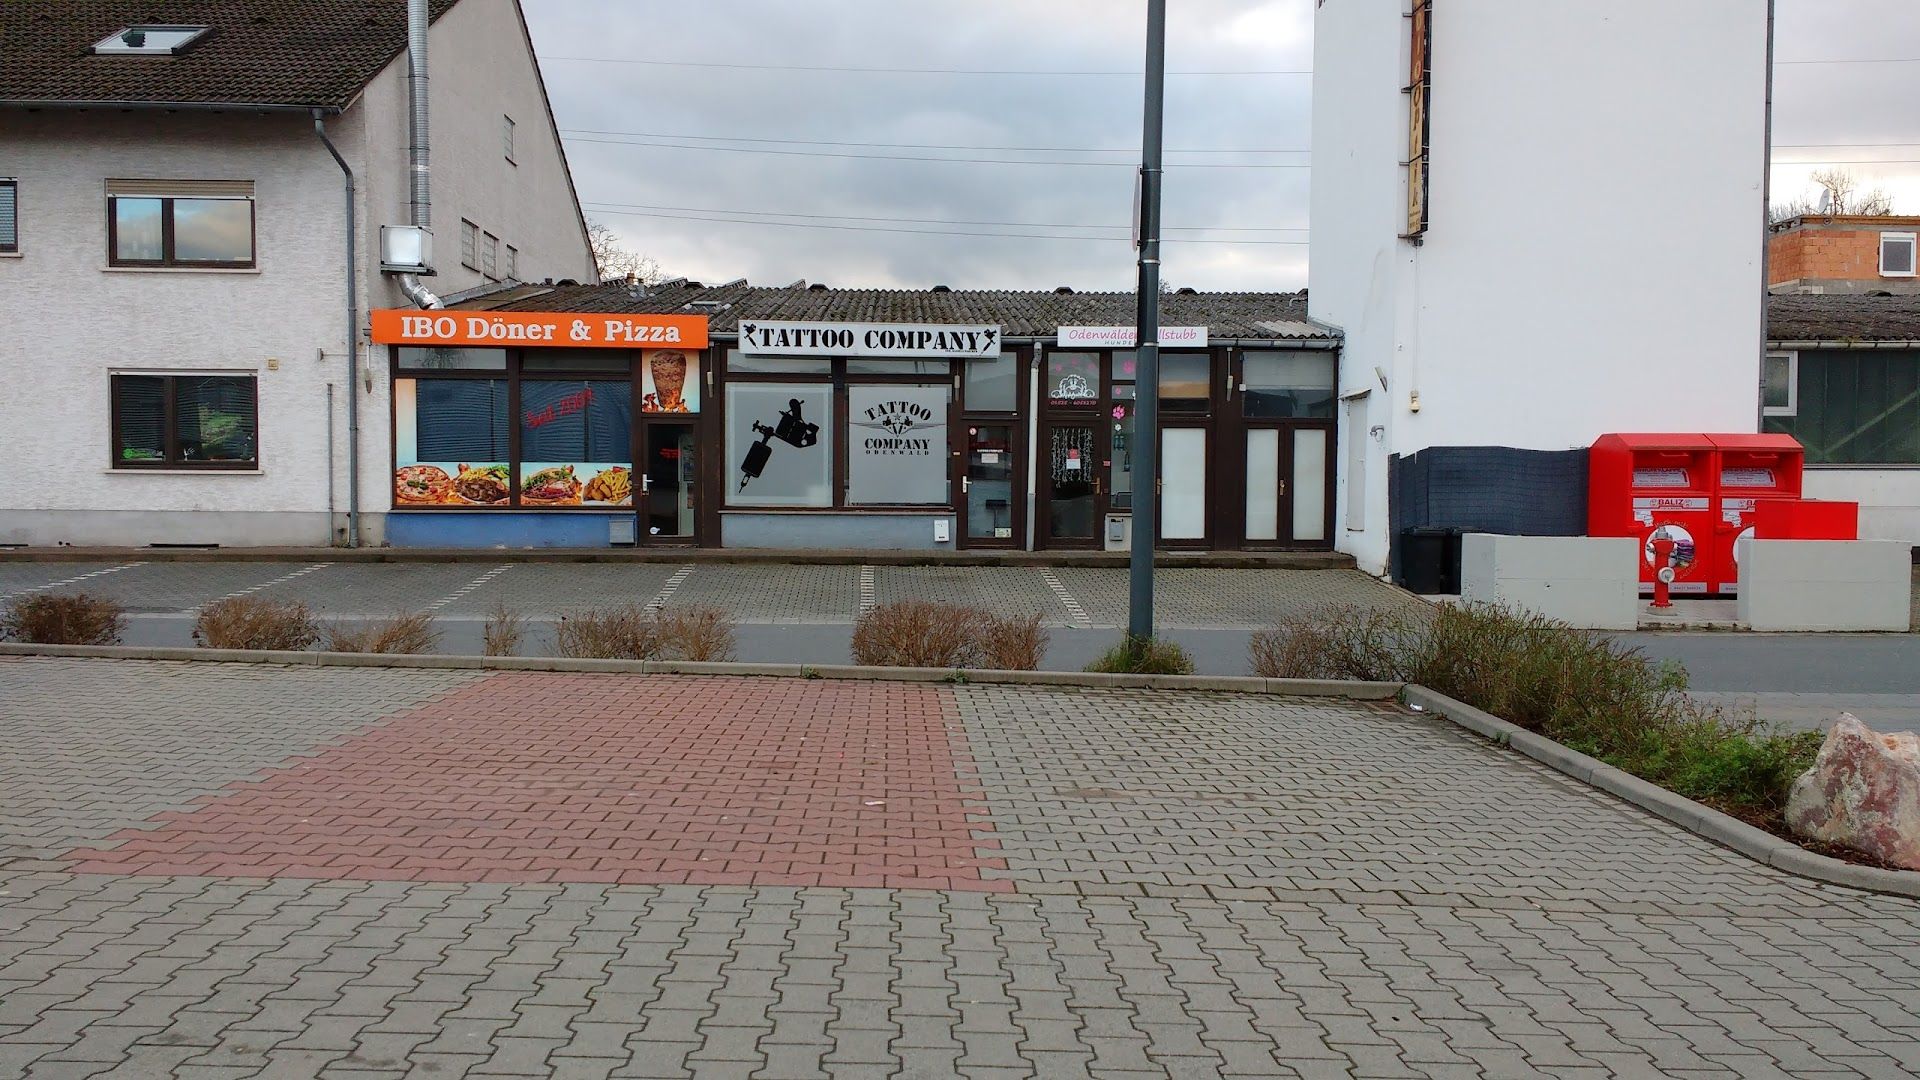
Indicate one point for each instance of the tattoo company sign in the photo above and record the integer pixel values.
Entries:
(901, 340)
(1125, 337)
(555, 329)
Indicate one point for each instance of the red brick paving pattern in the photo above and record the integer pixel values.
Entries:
(635, 780)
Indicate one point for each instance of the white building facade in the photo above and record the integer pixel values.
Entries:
(176, 353)
(1591, 254)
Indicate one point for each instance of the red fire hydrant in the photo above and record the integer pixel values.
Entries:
(1662, 572)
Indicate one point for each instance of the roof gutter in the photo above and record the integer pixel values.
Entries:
(1908, 343)
(170, 106)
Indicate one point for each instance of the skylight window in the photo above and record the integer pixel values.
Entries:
(149, 41)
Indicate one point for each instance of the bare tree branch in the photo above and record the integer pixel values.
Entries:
(617, 261)
(1839, 188)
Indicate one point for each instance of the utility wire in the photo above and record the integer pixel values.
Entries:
(936, 221)
(914, 157)
(929, 232)
(1134, 150)
(887, 70)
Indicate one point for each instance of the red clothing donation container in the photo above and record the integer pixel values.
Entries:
(1750, 468)
(1657, 487)
(1806, 519)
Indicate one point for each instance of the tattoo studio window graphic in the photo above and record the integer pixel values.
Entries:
(897, 444)
(773, 437)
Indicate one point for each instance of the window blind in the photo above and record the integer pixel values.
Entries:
(9, 216)
(182, 189)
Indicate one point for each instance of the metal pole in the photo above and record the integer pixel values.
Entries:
(1146, 416)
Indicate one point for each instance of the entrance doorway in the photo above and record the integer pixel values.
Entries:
(666, 491)
(1284, 413)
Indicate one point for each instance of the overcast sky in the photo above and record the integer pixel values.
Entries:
(1231, 221)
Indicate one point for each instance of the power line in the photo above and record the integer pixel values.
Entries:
(886, 70)
(1134, 150)
(930, 232)
(936, 221)
(916, 157)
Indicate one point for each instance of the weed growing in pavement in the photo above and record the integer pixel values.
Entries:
(618, 633)
(1587, 691)
(62, 619)
(917, 633)
(504, 629)
(251, 622)
(401, 634)
(1144, 656)
(700, 634)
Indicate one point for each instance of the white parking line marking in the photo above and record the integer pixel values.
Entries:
(469, 586)
(75, 580)
(678, 579)
(869, 592)
(251, 589)
(1078, 613)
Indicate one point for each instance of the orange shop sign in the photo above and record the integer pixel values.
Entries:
(552, 329)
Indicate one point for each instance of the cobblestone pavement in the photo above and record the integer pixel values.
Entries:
(751, 592)
(1200, 885)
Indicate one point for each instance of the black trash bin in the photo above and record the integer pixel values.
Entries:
(1450, 568)
(1423, 561)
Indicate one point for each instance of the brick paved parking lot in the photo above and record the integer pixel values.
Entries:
(223, 871)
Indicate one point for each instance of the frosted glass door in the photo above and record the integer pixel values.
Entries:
(1263, 484)
(1309, 484)
(1183, 500)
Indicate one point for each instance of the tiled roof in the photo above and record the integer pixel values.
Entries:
(1020, 314)
(1836, 317)
(285, 53)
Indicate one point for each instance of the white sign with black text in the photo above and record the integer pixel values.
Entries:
(904, 340)
(1124, 337)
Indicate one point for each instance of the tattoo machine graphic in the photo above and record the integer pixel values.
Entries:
(792, 429)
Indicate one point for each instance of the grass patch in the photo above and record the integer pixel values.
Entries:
(250, 622)
(1144, 656)
(917, 633)
(62, 619)
(1587, 691)
(402, 634)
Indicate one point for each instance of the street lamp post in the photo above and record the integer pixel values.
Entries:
(1146, 417)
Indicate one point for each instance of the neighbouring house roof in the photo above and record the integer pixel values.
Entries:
(1841, 318)
(1020, 314)
(303, 54)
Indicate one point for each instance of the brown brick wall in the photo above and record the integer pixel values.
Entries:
(1825, 254)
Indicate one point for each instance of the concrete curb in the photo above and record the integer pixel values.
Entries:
(1240, 560)
(1354, 691)
(1756, 844)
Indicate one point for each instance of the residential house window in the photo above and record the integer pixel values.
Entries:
(490, 256)
(513, 262)
(9, 216)
(186, 223)
(469, 244)
(1851, 406)
(506, 136)
(1896, 254)
(1779, 389)
(185, 422)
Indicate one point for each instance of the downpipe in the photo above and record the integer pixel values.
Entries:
(353, 346)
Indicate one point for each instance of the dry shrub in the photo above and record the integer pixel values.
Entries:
(251, 622)
(916, 633)
(62, 619)
(409, 633)
(629, 632)
(1344, 641)
(1011, 644)
(503, 631)
(1144, 656)
(694, 633)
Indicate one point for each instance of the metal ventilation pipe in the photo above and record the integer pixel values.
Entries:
(419, 173)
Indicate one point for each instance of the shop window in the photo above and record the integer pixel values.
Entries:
(576, 443)
(993, 385)
(1896, 254)
(1778, 391)
(450, 358)
(1855, 408)
(9, 216)
(1073, 380)
(777, 365)
(581, 360)
(779, 444)
(1186, 382)
(469, 244)
(180, 223)
(450, 441)
(185, 422)
(939, 369)
(897, 444)
(1287, 384)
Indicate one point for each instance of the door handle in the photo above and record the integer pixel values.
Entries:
(646, 483)
(966, 484)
